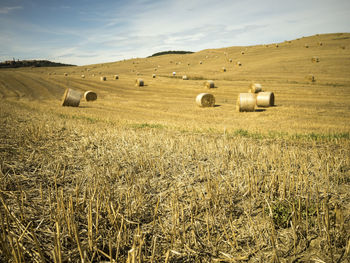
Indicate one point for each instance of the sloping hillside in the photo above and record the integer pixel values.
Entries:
(143, 174)
(302, 106)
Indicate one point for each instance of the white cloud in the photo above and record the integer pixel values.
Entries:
(8, 9)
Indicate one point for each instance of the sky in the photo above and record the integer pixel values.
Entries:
(83, 32)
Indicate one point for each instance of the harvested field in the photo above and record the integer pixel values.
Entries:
(145, 174)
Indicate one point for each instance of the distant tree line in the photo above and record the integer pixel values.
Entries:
(30, 63)
(171, 52)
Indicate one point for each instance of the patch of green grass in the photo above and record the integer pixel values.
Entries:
(283, 212)
(147, 126)
(76, 117)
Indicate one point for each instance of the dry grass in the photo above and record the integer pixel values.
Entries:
(144, 175)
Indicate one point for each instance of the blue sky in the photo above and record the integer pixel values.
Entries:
(85, 32)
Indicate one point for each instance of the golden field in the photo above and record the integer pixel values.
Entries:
(143, 174)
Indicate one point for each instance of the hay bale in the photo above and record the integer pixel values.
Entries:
(265, 99)
(139, 83)
(205, 100)
(306, 46)
(209, 84)
(65, 74)
(239, 63)
(184, 77)
(103, 78)
(223, 69)
(90, 96)
(246, 102)
(320, 43)
(276, 45)
(71, 98)
(83, 76)
(230, 60)
(154, 76)
(315, 59)
(310, 78)
(242, 52)
(200, 62)
(116, 77)
(255, 88)
(155, 69)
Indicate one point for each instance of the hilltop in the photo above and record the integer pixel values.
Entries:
(31, 63)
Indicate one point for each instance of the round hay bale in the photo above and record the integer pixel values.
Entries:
(65, 74)
(200, 62)
(310, 78)
(103, 78)
(71, 98)
(174, 73)
(90, 96)
(139, 82)
(315, 59)
(209, 84)
(154, 76)
(242, 52)
(83, 76)
(116, 77)
(246, 102)
(239, 63)
(255, 88)
(265, 99)
(230, 60)
(205, 100)
(320, 43)
(223, 69)
(184, 77)
(155, 69)
(306, 46)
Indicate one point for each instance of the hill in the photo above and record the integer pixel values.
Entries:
(170, 52)
(143, 174)
(31, 63)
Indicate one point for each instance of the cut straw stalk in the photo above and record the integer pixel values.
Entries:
(246, 102)
(205, 100)
(71, 98)
(90, 96)
(265, 99)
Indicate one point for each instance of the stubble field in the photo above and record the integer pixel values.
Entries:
(145, 175)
